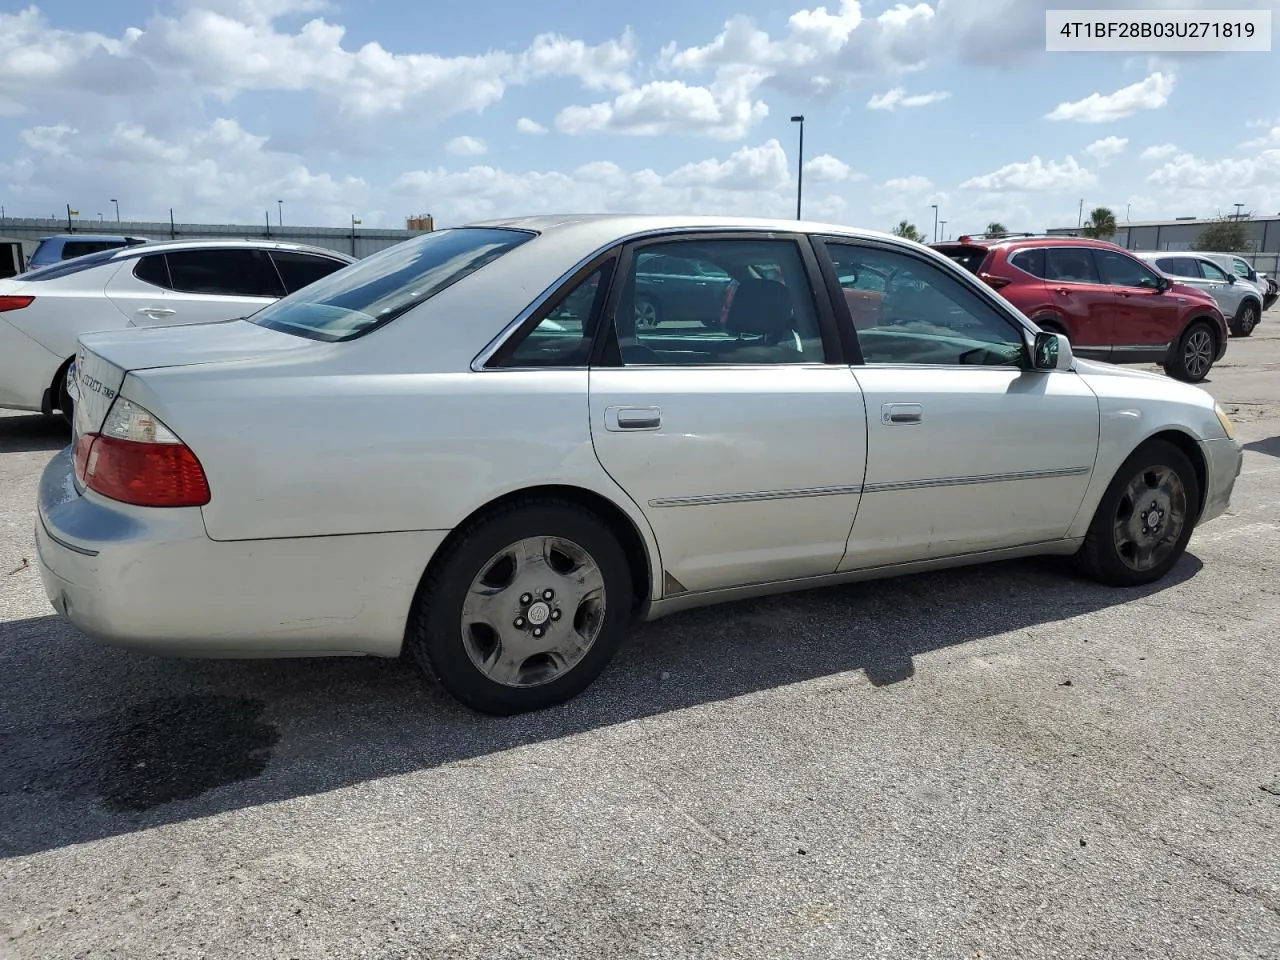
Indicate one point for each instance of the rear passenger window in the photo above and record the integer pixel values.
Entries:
(228, 273)
(563, 337)
(1070, 265)
(298, 270)
(1032, 261)
(153, 270)
(1179, 266)
(78, 248)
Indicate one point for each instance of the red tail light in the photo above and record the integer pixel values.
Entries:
(15, 303)
(991, 280)
(137, 459)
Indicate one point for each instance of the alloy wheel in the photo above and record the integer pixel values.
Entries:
(533, 611)
(1150, 518)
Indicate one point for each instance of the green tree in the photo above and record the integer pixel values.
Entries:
(1101, 224)
(996, 229)
(1226, 235)
(908, 231)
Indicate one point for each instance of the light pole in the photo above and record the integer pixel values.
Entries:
(943, 225)
(1127, 207)
(1238, 206)
(117, 203)
(280, 212)
(799, 118)
(354, 222)
(935, 221)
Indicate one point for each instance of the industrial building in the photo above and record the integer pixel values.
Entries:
(1183, 233)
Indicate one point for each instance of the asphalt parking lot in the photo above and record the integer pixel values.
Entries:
(1001, 762)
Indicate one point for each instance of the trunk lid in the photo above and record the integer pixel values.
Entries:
(104, 359)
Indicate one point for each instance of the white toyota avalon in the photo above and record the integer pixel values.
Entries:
(465, 446)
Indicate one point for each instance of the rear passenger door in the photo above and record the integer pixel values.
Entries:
(1079, 297)
(744, 445)
(195, 286)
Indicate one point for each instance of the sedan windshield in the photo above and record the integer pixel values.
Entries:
(374, 291)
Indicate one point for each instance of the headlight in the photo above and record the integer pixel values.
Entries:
(1225, 421)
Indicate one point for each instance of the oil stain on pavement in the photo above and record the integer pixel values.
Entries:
(151, 753)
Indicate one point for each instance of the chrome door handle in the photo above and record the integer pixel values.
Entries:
(1063, 292)
(154, 312)
(632, 418)
(895, 413)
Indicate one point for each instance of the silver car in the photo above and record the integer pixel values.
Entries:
(1239, 300)
(467, 448)
(1243, 269)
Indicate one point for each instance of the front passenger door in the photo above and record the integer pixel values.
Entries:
(968, 449)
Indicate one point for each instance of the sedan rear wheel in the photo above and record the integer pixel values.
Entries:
(647, 316)
(525, 609)
(1145, 518)
(1194, 355)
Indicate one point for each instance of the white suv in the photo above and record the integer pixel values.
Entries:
(44, 312)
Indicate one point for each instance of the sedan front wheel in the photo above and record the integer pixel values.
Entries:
(525, 609)
(1145, 518)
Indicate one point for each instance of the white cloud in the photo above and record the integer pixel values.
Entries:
(909, 184)
(51, 140)
(749, 168)
(1033, 175)
(525, 125)
(1105, 150)
(829, 169)
(1187, 171)
(725, 110)
(1158, 152)
(1270, 139)
(1149, 94)
(897, 97)
(466, 147)
(756, 173)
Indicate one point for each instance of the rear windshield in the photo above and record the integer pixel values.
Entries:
(376, 290)
(968, 257)
(67, 267)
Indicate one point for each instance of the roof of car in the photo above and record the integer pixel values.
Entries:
(1037, 240)
(628, 223)
(222, 243)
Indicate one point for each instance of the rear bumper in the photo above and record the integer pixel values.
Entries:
(151, 579)
(1223, 459)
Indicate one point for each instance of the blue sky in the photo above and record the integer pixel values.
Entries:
(386, 108)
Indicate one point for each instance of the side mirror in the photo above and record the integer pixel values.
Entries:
(1163, 284)
(1052, 351)
(1231, 278)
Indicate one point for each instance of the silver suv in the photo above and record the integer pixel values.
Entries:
(1238, 299)
(1242, 268)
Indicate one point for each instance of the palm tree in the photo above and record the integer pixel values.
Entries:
(1101, 224)
(996, 229)
(908, 231)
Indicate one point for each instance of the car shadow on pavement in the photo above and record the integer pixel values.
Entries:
(97, 742)
(1269, 446)
(33, 432)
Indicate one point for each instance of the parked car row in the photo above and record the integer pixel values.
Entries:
(44, 311)
(471, 448)
(1108, 302)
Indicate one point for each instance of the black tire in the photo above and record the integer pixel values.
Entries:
(435, 633)
(65, 404)
(1100, 556)
(1182, 365)
(1246, 319)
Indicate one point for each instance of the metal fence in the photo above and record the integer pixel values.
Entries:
(353, 240)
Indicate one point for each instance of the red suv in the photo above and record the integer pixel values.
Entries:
(1111, 306)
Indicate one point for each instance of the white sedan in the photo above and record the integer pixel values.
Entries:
(44, 311)
(463, 447)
